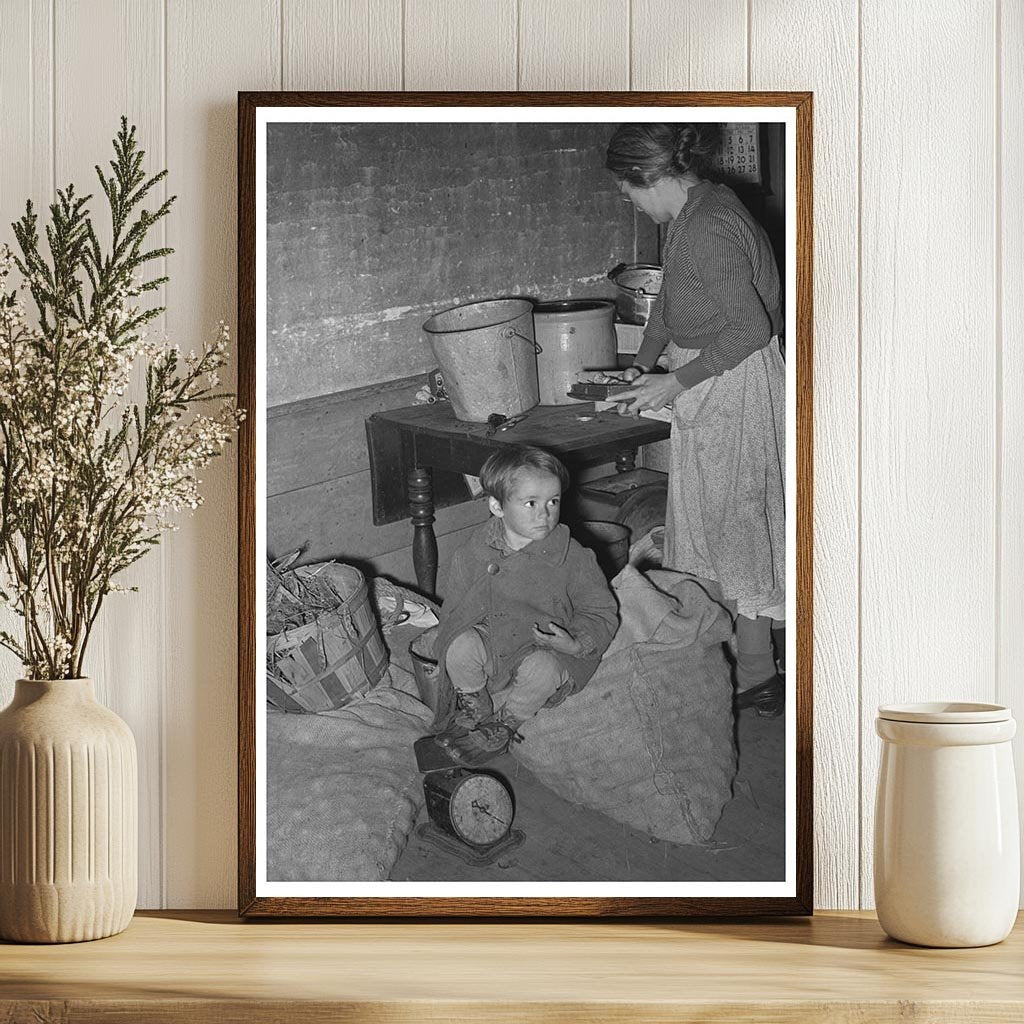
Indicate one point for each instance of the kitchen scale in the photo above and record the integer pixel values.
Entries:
(471, 814)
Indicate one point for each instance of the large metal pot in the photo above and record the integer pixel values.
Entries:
(637, 285)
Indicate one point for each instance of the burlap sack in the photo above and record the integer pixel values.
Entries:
(649, 742)
(343, 790)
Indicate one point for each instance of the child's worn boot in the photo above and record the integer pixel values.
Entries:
(457, 745)
(487, 741)
(506, 718)
(472, 708)
(477, 746)
(469, 745)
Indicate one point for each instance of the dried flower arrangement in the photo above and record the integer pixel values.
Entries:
(89, 478)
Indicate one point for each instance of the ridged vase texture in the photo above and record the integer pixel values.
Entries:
(68, 815)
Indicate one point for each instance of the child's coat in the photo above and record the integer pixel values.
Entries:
(554, 579)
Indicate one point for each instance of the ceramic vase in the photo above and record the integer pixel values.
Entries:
(68, 815)
(947, 846)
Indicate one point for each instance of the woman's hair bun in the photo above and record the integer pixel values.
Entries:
(643, 154)
(695, 146)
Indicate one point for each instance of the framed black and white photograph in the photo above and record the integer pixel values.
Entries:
(525, 504)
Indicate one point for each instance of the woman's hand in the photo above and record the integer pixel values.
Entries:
(651, 391)
(558, 639)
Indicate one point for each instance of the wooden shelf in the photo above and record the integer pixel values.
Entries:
(198, 966)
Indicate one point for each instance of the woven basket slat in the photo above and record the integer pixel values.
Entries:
(325, 664)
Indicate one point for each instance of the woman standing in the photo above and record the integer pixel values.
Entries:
(717, 319)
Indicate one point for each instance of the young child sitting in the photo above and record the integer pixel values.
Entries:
(528, 613)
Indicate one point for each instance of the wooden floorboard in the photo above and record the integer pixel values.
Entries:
(568, 842)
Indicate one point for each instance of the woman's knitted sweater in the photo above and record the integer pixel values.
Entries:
(720, 289)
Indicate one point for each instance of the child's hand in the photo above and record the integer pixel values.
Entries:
(558, 639)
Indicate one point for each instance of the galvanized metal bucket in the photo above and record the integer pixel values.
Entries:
(435, 691)
(608, 541)
(637, 286)
(488, 357)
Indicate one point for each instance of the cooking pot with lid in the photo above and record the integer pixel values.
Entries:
(636, 286)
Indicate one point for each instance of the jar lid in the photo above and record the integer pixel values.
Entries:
(945, 713)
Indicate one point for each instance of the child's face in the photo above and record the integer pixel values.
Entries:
(531, 507)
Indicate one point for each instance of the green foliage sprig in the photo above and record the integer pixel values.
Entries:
(88, 478)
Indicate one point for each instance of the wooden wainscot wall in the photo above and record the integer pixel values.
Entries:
(318, 495)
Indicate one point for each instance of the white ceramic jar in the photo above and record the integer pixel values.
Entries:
(947, 846)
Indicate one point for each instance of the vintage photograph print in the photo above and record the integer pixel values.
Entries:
(525, 504)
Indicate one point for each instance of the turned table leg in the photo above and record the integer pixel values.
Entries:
(424, 543)
(625, 460)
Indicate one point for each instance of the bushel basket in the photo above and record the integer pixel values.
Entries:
(339, 655)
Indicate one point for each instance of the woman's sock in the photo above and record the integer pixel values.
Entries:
(755, 657)
(779, 640)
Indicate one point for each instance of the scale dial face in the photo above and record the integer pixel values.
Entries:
(481, 810)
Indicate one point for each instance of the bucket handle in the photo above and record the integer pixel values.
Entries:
(613, 275)
(636, 291)
(508, 333)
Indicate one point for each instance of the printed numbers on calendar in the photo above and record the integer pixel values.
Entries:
(739, 157)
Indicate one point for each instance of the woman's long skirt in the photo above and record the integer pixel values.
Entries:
(726, 517)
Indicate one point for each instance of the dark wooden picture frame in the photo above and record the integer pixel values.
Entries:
(799, 354)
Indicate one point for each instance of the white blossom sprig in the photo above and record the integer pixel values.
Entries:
(89, 478)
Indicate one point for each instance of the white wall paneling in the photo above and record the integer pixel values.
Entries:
(26, 106)
(701, 44)
(829, 68)
(919, 303)
(574, 44)
(342, 44)
(26, 170)
(928, 354)
(1008, 216)
(213, 51)
(465, 44)
(127, 666)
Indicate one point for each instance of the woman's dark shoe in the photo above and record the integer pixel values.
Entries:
(767, 698)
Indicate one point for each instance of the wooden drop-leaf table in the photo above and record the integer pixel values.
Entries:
(418, 456)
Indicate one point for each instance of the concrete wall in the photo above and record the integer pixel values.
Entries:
(374, 227)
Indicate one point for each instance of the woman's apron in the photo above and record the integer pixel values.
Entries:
(726, 516)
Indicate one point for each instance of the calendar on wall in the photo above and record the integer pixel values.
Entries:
(739, 158)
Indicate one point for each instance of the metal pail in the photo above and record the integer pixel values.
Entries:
(637, 286)
(488, 357)
(434, 690)
(608, 541)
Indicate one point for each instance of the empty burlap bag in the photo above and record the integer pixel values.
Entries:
(343, 790)
(649, 742)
